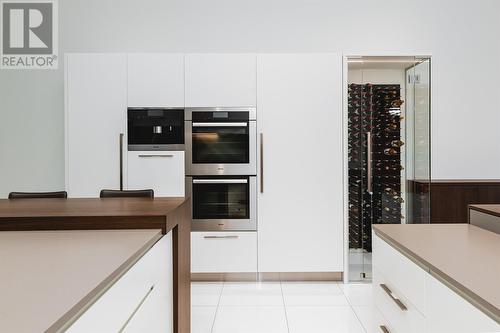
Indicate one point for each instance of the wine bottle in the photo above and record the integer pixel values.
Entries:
(390, 151)
(397, 103)
(397, 143)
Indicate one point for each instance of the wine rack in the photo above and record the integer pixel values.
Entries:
(374, 108)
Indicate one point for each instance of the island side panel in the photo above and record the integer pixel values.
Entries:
(181, 236)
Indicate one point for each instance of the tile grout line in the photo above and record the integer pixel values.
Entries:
(284, 306)
(352, 308)
(217, 307)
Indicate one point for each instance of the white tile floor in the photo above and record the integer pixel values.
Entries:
(290, 307)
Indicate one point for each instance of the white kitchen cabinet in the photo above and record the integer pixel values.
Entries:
(428, 304)
(220, 80)
(300, 225)
(155, 80)
(223, 252)
(140, 301)
(95, 115)
(162, 171)
(405, 276)
(449, 312)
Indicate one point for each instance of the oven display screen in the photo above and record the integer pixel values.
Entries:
(220, 115)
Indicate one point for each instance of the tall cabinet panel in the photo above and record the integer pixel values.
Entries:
(220, 80)
(299, 101)
(96, 97)
(155, 80)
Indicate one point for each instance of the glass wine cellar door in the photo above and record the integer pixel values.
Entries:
(388, 149)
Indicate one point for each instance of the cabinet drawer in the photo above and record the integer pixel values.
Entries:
(449, 312)
(400, 313)
(148, 281)
(163, 171)
(403, 274)
(219, 252)
(379, 323)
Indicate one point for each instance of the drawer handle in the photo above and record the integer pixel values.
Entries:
(222, 237)
(150, 290)
(163, 155)
(394, 297)
(384, 329)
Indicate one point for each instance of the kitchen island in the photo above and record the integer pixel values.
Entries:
(162, 215)
(437, 277)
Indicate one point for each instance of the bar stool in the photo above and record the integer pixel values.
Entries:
(38, 195)
(149, 193)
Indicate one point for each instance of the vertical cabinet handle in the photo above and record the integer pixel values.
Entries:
(384, 329)
(369, 161)
(393, 297)
(121, 161)
(261, 163)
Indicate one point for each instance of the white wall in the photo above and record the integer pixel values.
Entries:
(463, 37)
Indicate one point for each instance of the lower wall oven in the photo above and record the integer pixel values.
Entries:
(223, 202)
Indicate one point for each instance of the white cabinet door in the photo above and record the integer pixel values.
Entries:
(140, 301)
(96, 108)
(162, 171)
(220, 80)
(300, 224)
(155, 314)
(449, 312)
(155, 80)
(223, 252)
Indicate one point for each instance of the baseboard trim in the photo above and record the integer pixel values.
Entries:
(268, 276)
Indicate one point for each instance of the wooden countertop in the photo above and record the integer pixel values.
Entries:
(88, 207)
(462, 256)
(166, 214)
(64, 214)
(488, 209)
(49, 275)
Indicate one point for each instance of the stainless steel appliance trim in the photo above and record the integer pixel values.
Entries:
(249, 224)
(222, 237)
(369, 160)
(220, 169)
(121, 160)
(166, 147)
(228, 124)
(159, 155)
(135, 108)
(220, 181)
(252, 111)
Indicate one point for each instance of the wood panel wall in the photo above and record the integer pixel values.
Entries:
(449, 198)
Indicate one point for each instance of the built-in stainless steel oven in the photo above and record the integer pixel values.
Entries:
(223, 202)
(221, 141)
(155, 129)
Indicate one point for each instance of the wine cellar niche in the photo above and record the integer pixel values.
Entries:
(374, 114)
(388, 149)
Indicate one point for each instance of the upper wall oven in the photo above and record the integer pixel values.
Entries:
(155, 129)
(221, 141)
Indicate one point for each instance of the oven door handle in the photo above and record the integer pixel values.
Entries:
(220, 124)
(220, 181)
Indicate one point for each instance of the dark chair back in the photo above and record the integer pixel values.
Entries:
(127, 193)
(38, 195)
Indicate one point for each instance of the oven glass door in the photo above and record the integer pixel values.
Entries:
(226, 198)
(220, 143)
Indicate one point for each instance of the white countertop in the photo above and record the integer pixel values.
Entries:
(47, 275)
